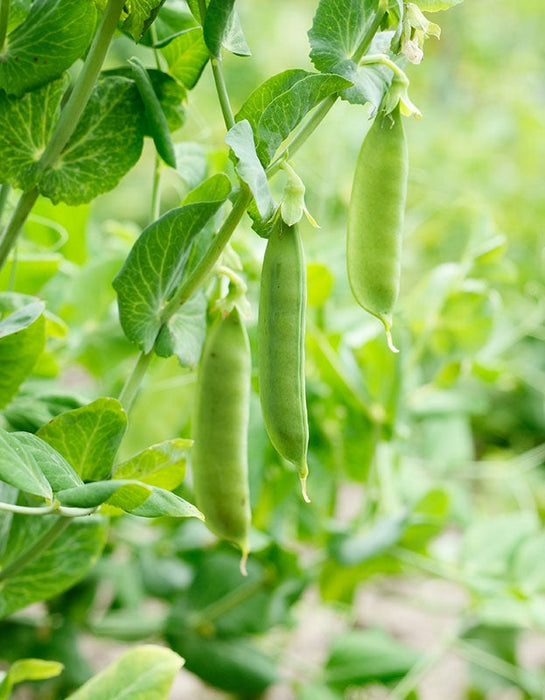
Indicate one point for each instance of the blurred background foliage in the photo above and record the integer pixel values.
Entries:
(418, 570)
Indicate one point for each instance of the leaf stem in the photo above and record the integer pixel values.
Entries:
(4, 17)
(221, 89)
(205, 266)
(58, 527)
(18, 218)
(130, 389)
(156, 190)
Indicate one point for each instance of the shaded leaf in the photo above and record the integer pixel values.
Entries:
(184, 333)
(145, 672)
(218, 15)
(88, 437)
(162, 502)
(22, 340)
(53, 35)
(59, 567)
(361, 657)
(349, 550)
(54, 467)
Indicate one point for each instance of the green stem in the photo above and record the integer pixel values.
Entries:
(84, 84)
(27, 510)
(365, 43)
(18, 218)
(221, 89)
(156, 190)
(36, 549)
(211, 257)
(129, 391)
(383, 60)
(4, 17)
(4, 193)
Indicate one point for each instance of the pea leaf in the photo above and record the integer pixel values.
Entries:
(190, 162)
(184, 333)
(160, 465)
(127, 493)
(216, 21)
(146, 672)
(360, 657)
(162, 502)
(33, 56)
(28, 670)
(25, 127)
(186, 56)
(52, 464)
(22, 340)
(88, 437)
(18, 10)
(59, 567)
(141, 15)
(105, 145)
(241, 139)
(20, 468)
(336, 32)
(233, 38)
(277, 106)
(155, 265)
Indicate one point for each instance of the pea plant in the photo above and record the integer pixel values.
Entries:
(83, 84)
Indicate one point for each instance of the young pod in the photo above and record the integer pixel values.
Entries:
(375, 218)
(220, 431)
(281, 337)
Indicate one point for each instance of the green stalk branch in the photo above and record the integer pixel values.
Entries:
(207, 263)
(4, 193)
(36, 549)
(18, 218)
(4, 17)
(221, 89)
(68, 119)
(130, 389)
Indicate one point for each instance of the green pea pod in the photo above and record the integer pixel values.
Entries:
(281, 338)
(375, 218)
(154, 113)
(219, 455)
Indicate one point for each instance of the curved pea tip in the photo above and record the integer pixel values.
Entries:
(303, 480)
(390, 341)
(387, 321)
(243, 562)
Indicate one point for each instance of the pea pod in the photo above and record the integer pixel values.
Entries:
(281, 336)
(220, 432)
(154, 113)
(375, 218)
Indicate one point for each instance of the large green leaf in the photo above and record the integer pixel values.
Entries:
(143, 673)
(26, 124)
(141, 15)
(277, 106)
(59, 567)
(160, 465)
(186, 56)
(20, 467)
(184, 333)
(337, 30)
(54, 34)
(105, 145)
(155, 266)
(162, 502)
(18, 11)
(88, 437)
(22, 340)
